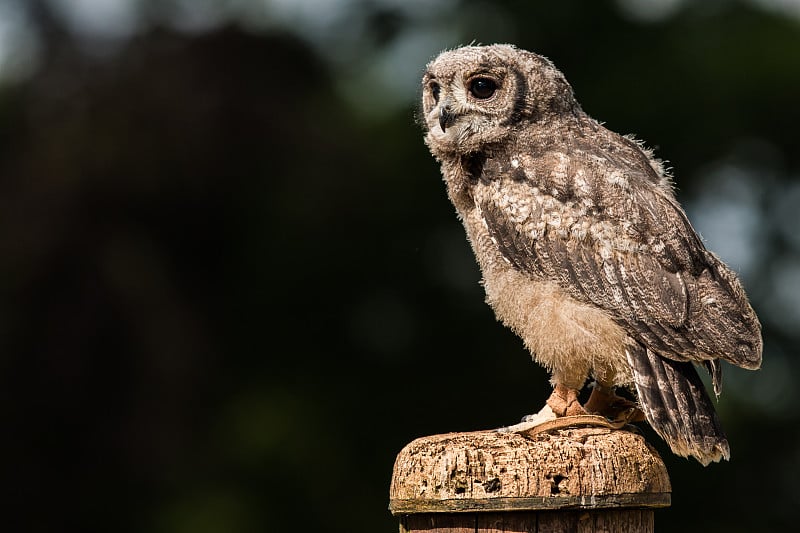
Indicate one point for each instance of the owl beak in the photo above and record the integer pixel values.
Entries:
(446, 117)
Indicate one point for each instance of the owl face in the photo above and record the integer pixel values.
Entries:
(468, 97)
(476, 98)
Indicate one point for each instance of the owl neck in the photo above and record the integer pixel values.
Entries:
(460, 174)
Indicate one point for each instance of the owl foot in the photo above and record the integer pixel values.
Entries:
(605, 402)
(564, 401)
(563, 410)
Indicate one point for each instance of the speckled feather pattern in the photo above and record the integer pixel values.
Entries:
(584, 251)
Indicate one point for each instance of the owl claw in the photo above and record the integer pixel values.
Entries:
(605, 402)
(563, 410)
(564, 402)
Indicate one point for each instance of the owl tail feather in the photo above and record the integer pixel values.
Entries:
(675, 402)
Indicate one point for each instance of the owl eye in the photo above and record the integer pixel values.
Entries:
(435, 91)
(482, 88)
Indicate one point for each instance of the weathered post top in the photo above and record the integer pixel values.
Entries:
(576, 479)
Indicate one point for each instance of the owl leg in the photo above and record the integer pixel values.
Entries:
(564, 401)
(604, 401)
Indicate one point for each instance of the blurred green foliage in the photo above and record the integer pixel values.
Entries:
(233, 287)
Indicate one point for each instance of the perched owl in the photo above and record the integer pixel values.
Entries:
(584, 251)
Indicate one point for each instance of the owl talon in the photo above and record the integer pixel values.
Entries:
(604, 402)
(564, 402)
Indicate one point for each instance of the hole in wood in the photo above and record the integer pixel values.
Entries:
(556, 482)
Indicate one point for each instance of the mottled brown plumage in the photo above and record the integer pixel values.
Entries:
(584, 251)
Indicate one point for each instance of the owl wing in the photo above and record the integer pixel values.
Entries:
(638, 258)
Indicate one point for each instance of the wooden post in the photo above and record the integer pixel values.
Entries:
(578, 479)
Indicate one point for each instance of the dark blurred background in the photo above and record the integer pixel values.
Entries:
(233, 287)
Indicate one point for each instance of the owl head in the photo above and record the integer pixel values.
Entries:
(474, 97)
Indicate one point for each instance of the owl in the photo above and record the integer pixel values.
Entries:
(584, 251)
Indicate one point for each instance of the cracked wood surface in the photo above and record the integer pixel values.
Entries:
(593, 478)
